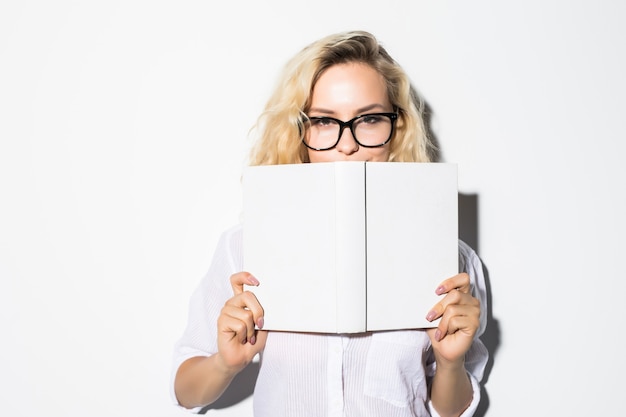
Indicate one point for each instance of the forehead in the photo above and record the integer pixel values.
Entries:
(350, 83)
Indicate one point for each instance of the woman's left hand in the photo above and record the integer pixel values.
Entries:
(460, 319)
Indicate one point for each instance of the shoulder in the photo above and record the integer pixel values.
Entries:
(230, 247)
(231, 238)
(470, 262)
(232, 235)
(467, 256)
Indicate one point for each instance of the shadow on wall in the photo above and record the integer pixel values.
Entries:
(468, 232)
(491, 339)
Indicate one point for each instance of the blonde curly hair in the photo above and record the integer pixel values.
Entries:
(280, 126)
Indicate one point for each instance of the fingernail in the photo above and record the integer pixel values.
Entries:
(253, 281)
(438, 335)
(253, 340)
(260, 322)
(440, 290)
(431, 315)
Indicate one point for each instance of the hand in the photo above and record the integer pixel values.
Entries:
(460, 319)
(237, 339)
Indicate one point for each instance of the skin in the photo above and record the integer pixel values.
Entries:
(343, 91)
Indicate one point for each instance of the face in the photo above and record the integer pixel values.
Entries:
(345, 91)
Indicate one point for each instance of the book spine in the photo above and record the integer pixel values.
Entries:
(350, 246)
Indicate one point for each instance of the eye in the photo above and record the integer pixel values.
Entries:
(321, 121)
(371, 119)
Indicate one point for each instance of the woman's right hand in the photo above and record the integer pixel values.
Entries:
(201, 380)
(237, 339)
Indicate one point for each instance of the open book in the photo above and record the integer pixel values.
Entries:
(347, 247)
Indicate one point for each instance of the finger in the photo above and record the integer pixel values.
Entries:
(468, 309)
(457, 322)
(460, 282)
(240, 322)
(238, 280)
(261, 337)
(233, 323)
(246, 306)
(454, 296)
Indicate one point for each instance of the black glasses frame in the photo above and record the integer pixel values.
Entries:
(350, 124)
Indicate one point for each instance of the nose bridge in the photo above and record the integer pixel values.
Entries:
(349, 126)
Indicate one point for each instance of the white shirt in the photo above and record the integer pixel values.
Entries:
(368, 374)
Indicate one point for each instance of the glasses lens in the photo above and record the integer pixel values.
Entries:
(321, 133)
(372, 129)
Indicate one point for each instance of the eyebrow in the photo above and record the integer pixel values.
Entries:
(359, 111)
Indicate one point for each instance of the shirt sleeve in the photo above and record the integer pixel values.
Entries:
(477, 356)
(205, 305)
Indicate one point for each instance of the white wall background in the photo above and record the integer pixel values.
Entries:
(123, 132)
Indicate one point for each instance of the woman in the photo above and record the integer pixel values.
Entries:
(341, 98)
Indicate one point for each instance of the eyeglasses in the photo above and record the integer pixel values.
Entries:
(369, 130)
